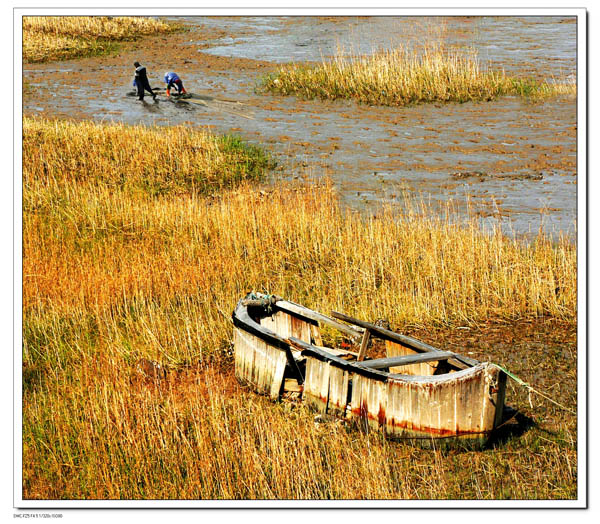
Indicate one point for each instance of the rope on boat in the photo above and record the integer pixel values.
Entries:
(261, 300)
(530, 389)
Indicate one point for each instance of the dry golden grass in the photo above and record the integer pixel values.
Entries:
(152, 160)
(98, 431)
(403, 76)
(48, 38)
(421, 271)
(117, 27)
(113, 272)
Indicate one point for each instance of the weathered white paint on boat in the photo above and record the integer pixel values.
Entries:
(258, 364)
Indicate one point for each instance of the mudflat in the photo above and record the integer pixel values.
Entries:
(524, 153)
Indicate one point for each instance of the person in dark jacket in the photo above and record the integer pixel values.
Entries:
(141, 81)
(171, 79)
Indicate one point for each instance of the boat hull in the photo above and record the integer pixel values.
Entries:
(460, 404)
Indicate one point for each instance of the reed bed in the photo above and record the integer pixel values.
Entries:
(152, 160)
(47, 38)
(406, 76)
(113, 272)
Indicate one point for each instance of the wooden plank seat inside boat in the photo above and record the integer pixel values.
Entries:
(386, 363)
(412, 343)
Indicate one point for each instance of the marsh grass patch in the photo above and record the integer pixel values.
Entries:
(47, 38)
(406, 76)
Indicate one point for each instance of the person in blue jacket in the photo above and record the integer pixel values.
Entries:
(141, 81)
(171, 79)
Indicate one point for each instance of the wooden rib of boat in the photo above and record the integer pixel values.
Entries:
(416, 392)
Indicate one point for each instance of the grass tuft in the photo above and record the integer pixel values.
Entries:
(47, 38)
(150, 160)
(402, 77)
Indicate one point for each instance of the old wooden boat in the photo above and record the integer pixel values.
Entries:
(416, 392)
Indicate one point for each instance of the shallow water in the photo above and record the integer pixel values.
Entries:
(538, 44)
(513, 160)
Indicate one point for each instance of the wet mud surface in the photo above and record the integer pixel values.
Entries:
(514, 161)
